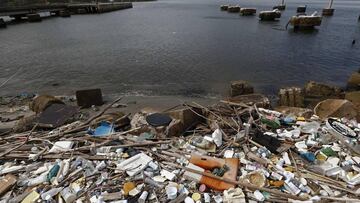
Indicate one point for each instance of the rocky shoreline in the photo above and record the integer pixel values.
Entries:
(239, 149)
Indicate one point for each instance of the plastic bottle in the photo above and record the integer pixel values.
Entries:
(68, 195)
(207, 198)
(311, 127)
(38, 180)
(143, 197)
(171, 192)
(50, 193)
(53, 172)
(153, 183)
(217, 137)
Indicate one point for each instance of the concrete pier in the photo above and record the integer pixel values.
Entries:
(247, 11)
(31, 13)
(269, 15)
(97, 8)
(328, 12)
(233, 9)
(65, 14)
(33, 17)
(81, 11)
(224, 7)
(55, 9)
(301, 9)
(305, 22)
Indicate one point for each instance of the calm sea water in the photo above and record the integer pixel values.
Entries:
(179, 47)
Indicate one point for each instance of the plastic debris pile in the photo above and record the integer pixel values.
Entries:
(228, 152)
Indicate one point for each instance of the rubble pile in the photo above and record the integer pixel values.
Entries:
(232, 151)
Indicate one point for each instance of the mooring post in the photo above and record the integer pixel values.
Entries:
(97, 6)
(328, 11)
(280, 7)
(331, 3)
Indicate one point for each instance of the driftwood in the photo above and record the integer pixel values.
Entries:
(22, 144)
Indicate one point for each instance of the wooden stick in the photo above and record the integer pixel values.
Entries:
(142, 144)
(235, 104)
(340, 199)
(54, 156)
(102, 112)
(22, 144)
(84, 125)
(219, 117)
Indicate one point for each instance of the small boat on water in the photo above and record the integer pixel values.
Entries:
(269, 15)
(234, 9)
(305, 21)
(224, 7)
(247, 11)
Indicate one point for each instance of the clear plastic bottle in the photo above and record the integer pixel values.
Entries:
(311, 127)
(50, 193)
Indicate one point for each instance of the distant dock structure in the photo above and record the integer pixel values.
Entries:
(32, 12)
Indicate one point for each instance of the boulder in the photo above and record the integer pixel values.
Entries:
(354, 82)
(240, 87)
(251, 99)
(291, 96)
(315, 92)
(184, 119)
(299, 112)
(354, 97)
(320, 90)
(175, 128)
(40, 103)
(335, 108)
(25, 124)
